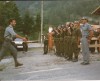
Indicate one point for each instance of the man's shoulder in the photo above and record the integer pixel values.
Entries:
(87, 24)
(8, 27)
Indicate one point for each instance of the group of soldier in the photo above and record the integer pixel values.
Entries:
(66, 40)
(67, 37)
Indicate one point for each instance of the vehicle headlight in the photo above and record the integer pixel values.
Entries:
(18, 42)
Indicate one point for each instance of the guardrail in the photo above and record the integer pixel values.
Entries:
(36, 41)
(96, 45)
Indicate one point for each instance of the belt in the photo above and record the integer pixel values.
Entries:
(85, 37)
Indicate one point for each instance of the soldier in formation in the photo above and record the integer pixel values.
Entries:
(66, 40)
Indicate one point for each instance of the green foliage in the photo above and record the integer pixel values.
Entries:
(28, 24)
(1, 35)
(58, 12)
(8, 10)
(55, 13)
(37, 26)
(23, 5)
(25, 23)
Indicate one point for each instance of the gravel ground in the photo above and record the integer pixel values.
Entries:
(34, 61)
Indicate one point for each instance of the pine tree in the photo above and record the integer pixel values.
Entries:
(28, 24)
(9, 10)
(37, 26)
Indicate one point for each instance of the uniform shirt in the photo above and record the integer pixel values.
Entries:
(56, 35)
(85, 28)
(9, 33)
(76, 32)
(46, 37)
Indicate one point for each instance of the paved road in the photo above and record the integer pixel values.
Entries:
(50, 67)
(35, 45)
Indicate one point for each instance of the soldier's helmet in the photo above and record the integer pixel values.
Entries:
(67, 23)
(76, 22)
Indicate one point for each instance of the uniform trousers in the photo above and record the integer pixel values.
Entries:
(85, 49)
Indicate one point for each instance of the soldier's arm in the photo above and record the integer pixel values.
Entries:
(79, 35)
(57, 32)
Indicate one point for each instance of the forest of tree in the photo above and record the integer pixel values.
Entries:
(25, 23)
(56, 12)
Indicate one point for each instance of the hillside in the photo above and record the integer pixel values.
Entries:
(58, 12)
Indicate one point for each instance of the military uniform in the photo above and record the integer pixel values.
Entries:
(67, 45)
(76, 33)
(59, 40)
(45, 44)
(62, 44)
(56, 42)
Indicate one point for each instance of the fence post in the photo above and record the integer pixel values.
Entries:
(96, 50)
